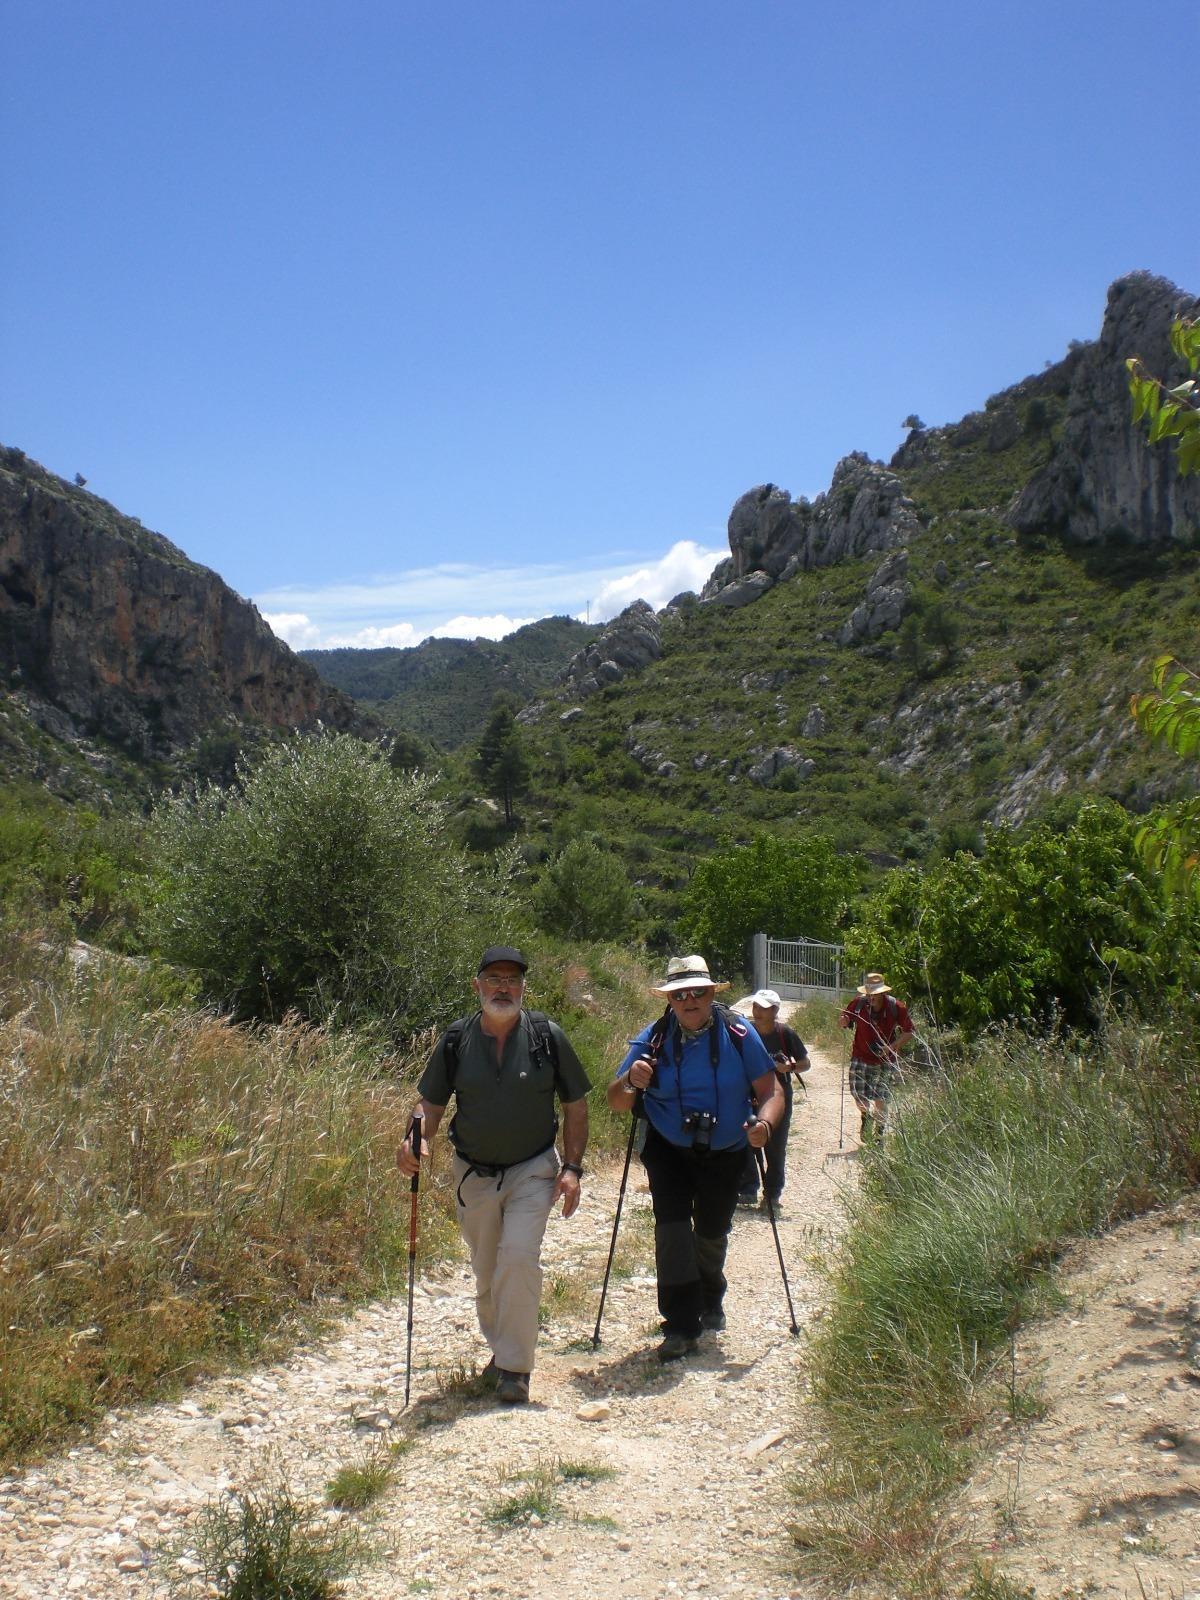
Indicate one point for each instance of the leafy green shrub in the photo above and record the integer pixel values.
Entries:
(584, 894)
(90, 865)
(790, 887)
(1043, 922)
(325, 885)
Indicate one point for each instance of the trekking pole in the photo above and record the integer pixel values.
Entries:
(842, 1107)
(635, 1118)
(415, 1132)
(760, 1161)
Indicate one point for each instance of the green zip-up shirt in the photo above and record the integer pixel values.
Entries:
(504, 1109)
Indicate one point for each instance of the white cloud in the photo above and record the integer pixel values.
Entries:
(294, 627)
(686, 565)
(497, 627)
(441, 601)
(397, 635)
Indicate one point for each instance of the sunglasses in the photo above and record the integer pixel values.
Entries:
(690, 994)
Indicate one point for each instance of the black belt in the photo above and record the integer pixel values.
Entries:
(494, 1169)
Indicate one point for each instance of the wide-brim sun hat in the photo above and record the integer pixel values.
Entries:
(687, 972)
(874, 983)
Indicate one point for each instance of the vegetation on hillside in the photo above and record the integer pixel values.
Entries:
(442, 689)
(1004, 688)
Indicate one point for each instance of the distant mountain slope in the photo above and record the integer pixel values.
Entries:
(442, 689)
(110, 636)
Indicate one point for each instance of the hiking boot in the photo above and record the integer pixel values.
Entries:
(490, 1376)
(513, 1387)
(773, 1203)
(674, 1346)
(713, 1321)
(747, 1197)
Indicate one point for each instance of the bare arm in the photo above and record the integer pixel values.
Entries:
(574, 1140)
(432, 1116)
(622, 1091)
(770, 1108)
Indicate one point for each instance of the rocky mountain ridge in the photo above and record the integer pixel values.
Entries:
(1102, 480)
(108, 631)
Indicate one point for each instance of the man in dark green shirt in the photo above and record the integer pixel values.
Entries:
(506, 1068)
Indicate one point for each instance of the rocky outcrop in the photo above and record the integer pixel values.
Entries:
(883, 607)
(772, 536)
(113, 627)
(1103, 479)
(764, 767)
(629, 643)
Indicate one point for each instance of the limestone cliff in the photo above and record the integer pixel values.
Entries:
(1104, 480)
(115, 629)
(772, 536)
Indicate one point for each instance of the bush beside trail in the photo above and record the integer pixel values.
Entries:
(325, 883)
(1049, 922)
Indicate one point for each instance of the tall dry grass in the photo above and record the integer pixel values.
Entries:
(174, 1188)
(996, 1160)
(171, 1186)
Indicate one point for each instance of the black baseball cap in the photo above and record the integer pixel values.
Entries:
(501, 952)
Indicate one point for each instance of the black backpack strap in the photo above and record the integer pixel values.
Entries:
(735, 1027)
(451, 1042)
(543, 1045)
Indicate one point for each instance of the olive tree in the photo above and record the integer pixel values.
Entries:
(324, 883)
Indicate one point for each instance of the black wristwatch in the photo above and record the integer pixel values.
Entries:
(569, 1166)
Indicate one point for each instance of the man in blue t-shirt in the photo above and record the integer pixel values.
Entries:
(698, 1075)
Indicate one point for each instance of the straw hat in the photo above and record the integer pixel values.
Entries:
(873, 984)
(687, 972)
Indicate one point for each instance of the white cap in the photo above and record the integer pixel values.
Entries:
(767, 998)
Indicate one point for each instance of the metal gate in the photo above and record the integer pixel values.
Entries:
(798, 969)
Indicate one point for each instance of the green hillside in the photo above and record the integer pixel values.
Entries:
(441, 690)
(1007, 694)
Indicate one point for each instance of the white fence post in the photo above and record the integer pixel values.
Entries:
(759, 961)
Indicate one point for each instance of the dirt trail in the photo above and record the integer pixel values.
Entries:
(698, 1451)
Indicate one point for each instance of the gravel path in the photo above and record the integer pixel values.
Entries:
(698, 1452)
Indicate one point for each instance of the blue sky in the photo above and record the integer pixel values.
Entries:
(438, 317)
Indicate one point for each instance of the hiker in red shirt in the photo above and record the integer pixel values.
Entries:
(882, 1028)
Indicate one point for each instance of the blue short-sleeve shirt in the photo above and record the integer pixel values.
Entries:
(686, 1081)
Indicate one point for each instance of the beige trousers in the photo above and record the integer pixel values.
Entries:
(503, 1223)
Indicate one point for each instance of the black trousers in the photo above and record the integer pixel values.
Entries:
(776, 1153)
(694, 1195)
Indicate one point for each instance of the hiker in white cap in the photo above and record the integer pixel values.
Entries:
(700, 1071)
(786, 1049)
(882, 1028)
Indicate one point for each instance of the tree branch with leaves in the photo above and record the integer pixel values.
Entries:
(1172, 412)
